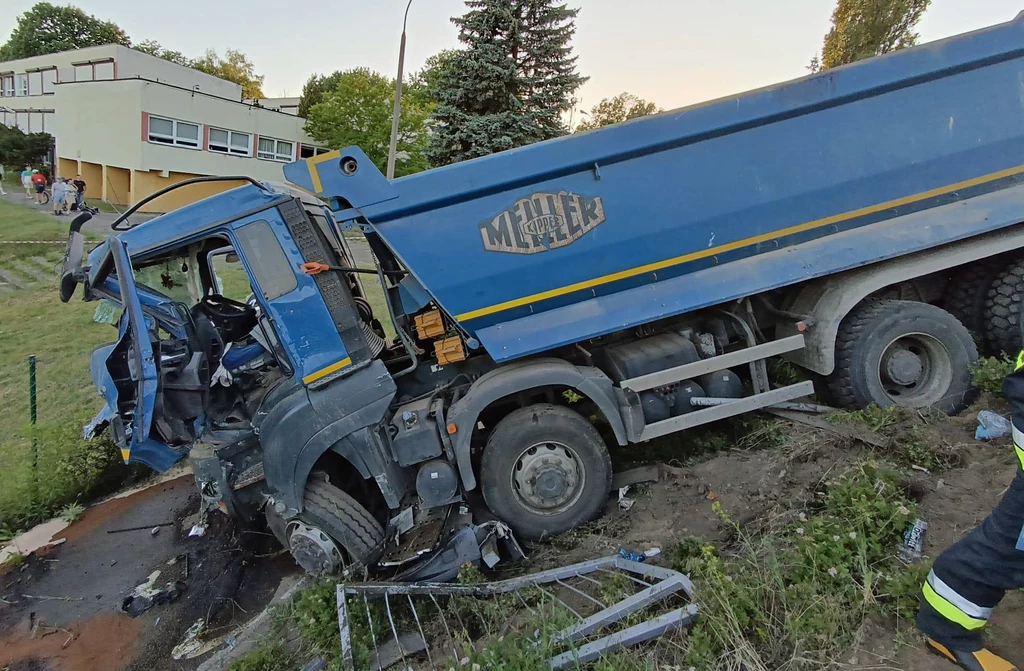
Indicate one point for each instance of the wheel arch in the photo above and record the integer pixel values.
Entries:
(828, 300)
(515, 378)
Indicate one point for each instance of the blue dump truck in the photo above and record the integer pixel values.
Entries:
(607, 287)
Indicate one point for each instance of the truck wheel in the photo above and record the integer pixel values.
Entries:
(905, 353)
(333, 530)
(967, 292)
(545, 470)
(1002, 310)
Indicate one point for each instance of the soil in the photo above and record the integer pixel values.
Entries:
(763, 489)
(62, 608)
(232, 573)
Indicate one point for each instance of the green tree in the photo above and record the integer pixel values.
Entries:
(314, 89)
(512, 83)
(17, 148)
(358, 112)
(234, 67)
(422, 85)
(47, 29)
(866, 28)
(154, 48)
(621, 108)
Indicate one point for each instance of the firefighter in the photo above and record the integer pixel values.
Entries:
(970, 578)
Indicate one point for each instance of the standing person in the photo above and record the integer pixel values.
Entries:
(3, 174)
(60, 195)
(39, 183)
(26, 180)
(72, 196)
(79, 192)
(971, 577)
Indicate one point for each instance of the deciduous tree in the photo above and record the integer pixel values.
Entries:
(154, 48)
(234, 67)
(621, 108)
(18, 148)
(511, 84)
(47, 29)
(865, 28)
(357, 111)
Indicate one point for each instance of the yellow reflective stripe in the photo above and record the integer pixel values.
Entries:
(951, 612)
(1020, 455)
(1020, 360)
(324, 372)
(746, 242)
(125, 454)
(314, 170)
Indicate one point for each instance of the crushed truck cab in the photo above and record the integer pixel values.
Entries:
(457, 389)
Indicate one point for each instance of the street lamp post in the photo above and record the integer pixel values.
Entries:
(398, 99)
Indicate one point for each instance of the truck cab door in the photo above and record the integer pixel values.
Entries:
(127, 376)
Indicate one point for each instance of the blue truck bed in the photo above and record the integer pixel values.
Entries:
(595, 232)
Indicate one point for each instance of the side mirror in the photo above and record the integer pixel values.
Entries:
(70, 273)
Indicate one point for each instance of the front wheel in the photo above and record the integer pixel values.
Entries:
(545, 470)
(333, 531)
(903, 353)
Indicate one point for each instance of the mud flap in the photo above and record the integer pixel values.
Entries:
(471, 544)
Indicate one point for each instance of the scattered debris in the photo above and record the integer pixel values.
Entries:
(991, 426)
(147, 595)
(190, 644)
(624, 501)
(52, 598)
(913, 542)
(639, 556)
(397, 650)
(153, 528)
(658, 587)
(197, 530)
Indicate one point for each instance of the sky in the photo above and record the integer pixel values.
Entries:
(672, 52)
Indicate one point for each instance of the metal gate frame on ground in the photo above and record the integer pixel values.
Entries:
(658, 584)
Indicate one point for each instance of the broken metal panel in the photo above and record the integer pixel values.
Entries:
(655, 588)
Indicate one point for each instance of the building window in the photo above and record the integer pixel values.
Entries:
(230, 142)
(49, 79)
(35, 83)
(309, 151)
(103, 71)
(8, 89)
(35, 122)
(276, 150)
(21, 85)
(83, 73)
(173, 132)
(21, 119)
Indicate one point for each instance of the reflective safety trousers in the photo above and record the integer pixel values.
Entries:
(971, 577)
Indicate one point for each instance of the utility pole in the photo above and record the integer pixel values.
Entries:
(398, 99)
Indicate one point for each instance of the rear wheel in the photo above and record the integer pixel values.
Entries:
(333, 531)
(1002, 313)
(967, 292)
(545, 470)
(903, 353)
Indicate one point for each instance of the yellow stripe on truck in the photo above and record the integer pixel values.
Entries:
(312, 164)
(324, 372)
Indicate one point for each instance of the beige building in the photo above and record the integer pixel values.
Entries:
(132, 124)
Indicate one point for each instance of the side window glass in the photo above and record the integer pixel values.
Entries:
(270, 266)
(169, 279)
(232, 280)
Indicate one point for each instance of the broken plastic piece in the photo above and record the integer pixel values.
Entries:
(197, 530)
(991, 426)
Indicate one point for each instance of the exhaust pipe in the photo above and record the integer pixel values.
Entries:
(71, 274)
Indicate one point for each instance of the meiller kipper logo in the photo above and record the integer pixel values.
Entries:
(541, 222)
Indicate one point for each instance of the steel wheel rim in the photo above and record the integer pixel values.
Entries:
(915, 370)
(548, 478)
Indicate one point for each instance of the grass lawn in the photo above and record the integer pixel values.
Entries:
(34, 321)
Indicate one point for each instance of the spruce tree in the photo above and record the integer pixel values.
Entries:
(511, 83)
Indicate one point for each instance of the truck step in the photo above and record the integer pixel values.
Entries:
(737, 407)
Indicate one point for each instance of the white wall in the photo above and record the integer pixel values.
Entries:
(99, 122)
(131, 63)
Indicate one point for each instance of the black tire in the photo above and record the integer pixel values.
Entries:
(905, 353)
(1002, 318)
(344, 519)
(576, 448)
(967, 292)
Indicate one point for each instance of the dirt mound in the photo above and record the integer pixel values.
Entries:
(101, 643)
